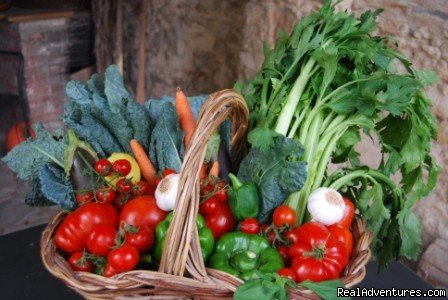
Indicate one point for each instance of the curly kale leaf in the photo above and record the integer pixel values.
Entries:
(166, 147)
(105, 114)
(277, 172)
(26, 158)
(56, 187)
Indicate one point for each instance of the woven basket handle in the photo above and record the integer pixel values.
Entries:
(182, 249)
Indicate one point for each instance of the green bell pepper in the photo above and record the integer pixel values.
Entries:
(242, 255)
(243, 199)
(206, 239)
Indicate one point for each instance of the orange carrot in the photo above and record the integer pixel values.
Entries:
(145, 164)
(203, 171)
(214, 170)
(186, 118)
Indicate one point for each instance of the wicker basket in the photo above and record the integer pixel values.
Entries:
(182, 273)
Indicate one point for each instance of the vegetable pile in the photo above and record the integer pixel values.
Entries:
(323, 85)
(284, 220)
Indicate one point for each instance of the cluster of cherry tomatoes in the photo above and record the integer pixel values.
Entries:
(215, 208)
(112, 229)
(124, 188)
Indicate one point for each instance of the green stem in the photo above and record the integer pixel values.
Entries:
(325, 159)
(293, 98)
(312, 138)
(297, 122)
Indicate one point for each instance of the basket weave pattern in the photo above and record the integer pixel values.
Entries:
(182, 273)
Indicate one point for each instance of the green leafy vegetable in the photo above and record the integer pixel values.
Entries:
(154, 106)
(55, 186)
(273, 286)
(79, 118)
(26, 158)
(104, 114)
(34, 196)
(323, 84)
(44, 161)
(114, 89)
(267, 287)
(325, 289)
(276, 172)
(166, 147)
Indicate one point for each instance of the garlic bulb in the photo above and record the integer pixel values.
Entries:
(326, 206)
(166, 192)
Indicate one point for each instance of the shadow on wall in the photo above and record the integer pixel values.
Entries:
(192, 44)
(201, 46)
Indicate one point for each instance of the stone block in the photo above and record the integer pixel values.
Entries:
(433, 265)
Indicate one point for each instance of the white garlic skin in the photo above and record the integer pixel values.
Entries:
(166, 192)
(326, 206)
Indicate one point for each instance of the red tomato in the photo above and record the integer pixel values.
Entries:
(221, 193)
(84, 197)
(142, 211)
(291, 235)
(209, 206)
(287, 273)
(143, 188)
(123, 259)
(121, 200)
(154, 182)
(284, 215)
(313, 232)
(72, 234)
(207, 191)
(109, 271)
(101, 240)
(103, 167)
(284, 252)
(221, 221)
(349, 213)
(105, 195)
(168, 172)
(142, 240)
(122, 167)
(124, 185)
(317, 256)
(343, 235)
(250, 226)
(78, 262)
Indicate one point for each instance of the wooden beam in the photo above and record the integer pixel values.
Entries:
(119, 36)
(142, 54)
(32, 16)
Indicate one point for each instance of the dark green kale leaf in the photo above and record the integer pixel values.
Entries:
(80, 119)
(277, 173)
(26, 158)
(166, 147)
(56, 187)
(105, 115)
(154, 106)
(34, 196)
(114, 88)
(114, 121)
(138, 119)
